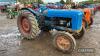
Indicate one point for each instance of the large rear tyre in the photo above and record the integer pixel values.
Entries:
(64, 42)
(28, 25)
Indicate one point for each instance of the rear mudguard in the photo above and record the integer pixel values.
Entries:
(30, 10)
(36, 14)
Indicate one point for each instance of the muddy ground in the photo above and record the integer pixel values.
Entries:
(11, 44)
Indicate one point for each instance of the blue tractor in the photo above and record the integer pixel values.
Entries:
(65, 24)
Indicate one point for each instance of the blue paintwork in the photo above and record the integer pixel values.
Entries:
(76, 16)
(29, 9)
(32, 11)
(42, 8)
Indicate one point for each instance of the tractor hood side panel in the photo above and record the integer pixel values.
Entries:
(75, 15)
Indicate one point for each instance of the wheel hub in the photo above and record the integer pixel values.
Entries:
(25, 25)
(63, 42)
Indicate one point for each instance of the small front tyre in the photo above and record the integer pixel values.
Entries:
(64, 42)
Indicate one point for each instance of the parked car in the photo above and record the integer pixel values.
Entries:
(59, 6)
(51, 6)
(3, 6)
(97, 8)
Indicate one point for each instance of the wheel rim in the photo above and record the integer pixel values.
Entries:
(63, 42)
(25, 25)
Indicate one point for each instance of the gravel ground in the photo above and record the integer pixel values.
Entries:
(11, 43)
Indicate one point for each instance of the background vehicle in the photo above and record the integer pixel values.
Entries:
(11, 12)
(88, 19)
(51, 5)
(88, 15)
(98, 8)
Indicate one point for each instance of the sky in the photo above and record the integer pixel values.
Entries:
(59, 0)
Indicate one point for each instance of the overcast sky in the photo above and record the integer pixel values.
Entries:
(59, 0)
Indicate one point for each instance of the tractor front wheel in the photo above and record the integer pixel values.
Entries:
(64, 42)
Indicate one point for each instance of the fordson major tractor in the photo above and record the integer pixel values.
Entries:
(67, 23)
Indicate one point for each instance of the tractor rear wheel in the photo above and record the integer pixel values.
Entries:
(64, 42)
(28, 25)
